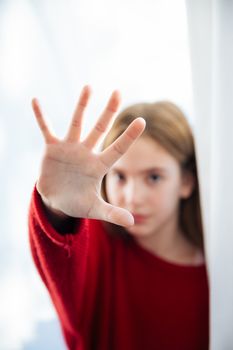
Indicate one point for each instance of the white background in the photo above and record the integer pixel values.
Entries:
(50, 49)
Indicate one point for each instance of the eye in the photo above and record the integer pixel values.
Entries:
(120, 177)
(154, 177)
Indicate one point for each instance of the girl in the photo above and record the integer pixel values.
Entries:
(125, 269)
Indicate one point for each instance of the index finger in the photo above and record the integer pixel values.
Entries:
(113, 152)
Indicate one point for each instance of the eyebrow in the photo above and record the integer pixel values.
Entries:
(145, 171)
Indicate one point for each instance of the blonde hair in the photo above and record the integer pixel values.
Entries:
(166, 124)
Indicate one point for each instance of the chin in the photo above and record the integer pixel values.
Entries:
(138, 230)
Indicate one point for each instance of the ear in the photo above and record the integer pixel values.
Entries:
(187, 184)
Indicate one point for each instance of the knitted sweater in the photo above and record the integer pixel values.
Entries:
(112, 294)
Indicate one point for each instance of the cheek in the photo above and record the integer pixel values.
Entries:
(173, 199)
(165, 196)
(111, 191)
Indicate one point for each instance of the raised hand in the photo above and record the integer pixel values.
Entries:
(71, 172)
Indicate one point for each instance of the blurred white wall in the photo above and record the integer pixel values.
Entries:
(50, 49)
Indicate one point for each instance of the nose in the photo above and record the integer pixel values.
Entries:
(133, 193)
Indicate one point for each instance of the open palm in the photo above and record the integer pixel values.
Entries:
(71, 172)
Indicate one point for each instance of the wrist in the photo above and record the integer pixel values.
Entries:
(52, 211)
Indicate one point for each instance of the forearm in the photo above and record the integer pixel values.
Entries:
(56, 257)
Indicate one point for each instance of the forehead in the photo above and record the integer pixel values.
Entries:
(146, 153)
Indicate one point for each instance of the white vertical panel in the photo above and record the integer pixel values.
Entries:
(211, 37)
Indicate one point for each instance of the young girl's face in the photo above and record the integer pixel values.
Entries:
(148, 182)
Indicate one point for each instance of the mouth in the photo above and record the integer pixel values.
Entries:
(139, 219)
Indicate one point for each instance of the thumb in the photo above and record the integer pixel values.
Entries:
(115, 215)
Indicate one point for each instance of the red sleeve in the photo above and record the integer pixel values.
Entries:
(61, 261)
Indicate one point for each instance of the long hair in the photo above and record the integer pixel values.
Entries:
(167, 125)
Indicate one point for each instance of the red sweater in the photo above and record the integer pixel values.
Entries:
(111, 294)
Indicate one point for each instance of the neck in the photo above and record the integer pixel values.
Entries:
(170, 243)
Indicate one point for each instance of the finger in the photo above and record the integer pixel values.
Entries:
(115, 215)
(104, 121)
(76, 123)
(111, 154)
(48, 136)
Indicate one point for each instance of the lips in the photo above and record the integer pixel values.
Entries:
(138, 218)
